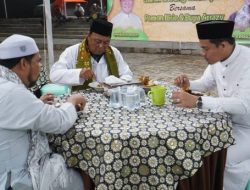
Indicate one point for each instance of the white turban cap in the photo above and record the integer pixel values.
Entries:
(17, 46)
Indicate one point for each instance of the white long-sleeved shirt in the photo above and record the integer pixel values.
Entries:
(21, 111)
(64, 71)
(125, 21)
(232, 80)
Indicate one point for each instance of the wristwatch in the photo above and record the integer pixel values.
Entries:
(199, 103)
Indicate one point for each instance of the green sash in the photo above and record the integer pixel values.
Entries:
(84, 61)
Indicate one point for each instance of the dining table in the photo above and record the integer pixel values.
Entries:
(152, 147)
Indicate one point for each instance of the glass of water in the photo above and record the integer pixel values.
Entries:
(115, 98)
(132, 99)
(123, 92)
(142, 96)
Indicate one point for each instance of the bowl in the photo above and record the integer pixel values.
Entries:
(56, 90)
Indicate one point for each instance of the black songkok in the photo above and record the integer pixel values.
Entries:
(101, 27)
(215, 29)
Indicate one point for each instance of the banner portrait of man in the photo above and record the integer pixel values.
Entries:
(127, 24)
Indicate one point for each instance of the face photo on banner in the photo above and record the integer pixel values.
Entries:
(127, 24)
(126, 18)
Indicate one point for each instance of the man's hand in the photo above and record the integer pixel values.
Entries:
(47, 98)
(184, 99)
(182, 81)
(87, 74)
(78, 101)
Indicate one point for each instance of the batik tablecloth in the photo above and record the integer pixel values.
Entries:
(149, 148)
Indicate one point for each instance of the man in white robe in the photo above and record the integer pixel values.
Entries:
(229, 72)
(26, 161)
(65, 70)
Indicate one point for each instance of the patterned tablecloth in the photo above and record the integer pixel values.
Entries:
(150, 148)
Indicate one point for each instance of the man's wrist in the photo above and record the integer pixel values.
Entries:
(199, 102)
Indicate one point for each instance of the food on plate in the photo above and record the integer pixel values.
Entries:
(145, 80)
(150, 83)
(97, 86)
(196, 93)
(192, 92)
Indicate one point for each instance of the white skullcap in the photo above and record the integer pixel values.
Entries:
(17, 46)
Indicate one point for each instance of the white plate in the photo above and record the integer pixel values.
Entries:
(97, 86)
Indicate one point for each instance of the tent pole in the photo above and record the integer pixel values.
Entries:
(101, 5)
(49, 32)
(5, 8)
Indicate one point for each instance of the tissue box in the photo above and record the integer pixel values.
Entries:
(56, 90)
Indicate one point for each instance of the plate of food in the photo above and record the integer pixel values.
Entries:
(196, 93)
(146, 82)
(97, 86)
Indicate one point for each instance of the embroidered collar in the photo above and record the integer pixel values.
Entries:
(9, 75)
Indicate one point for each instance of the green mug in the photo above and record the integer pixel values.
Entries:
(157, 95)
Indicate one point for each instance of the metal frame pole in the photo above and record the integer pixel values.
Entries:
(49, 32)
(5, 8)
(101, 6)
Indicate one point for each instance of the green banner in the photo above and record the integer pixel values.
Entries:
(174, 20)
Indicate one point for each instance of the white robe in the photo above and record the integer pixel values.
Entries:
(125, 21)
(232, 80)
(20, 113)
(64, 71)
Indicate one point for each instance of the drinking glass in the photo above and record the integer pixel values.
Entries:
(123, 92)
(142, 96)
(115, 98)
(132, 101)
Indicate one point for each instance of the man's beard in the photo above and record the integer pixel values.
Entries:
(31, 82)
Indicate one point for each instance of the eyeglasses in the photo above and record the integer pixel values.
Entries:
(99, 42)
